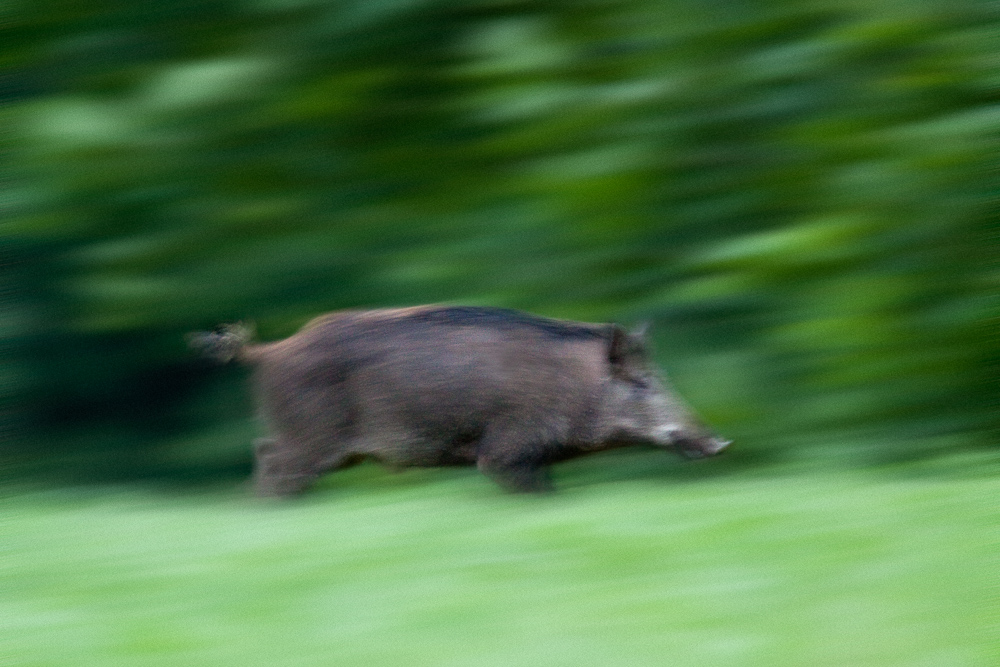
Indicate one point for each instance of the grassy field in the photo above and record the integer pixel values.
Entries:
(440, 568)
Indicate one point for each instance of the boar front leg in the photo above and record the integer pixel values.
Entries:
(515, 465)
(281, 467)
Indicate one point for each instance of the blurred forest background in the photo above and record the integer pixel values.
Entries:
(801, 197)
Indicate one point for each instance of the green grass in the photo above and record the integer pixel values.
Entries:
(439, 568)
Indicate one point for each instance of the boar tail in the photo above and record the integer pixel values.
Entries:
(227, 342)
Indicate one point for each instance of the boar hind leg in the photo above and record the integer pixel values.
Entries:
(515, 468)
(281, 467)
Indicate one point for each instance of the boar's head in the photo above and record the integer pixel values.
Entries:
(641, 407)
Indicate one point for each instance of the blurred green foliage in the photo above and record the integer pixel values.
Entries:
(800, 195)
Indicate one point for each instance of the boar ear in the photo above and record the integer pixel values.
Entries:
(618, 345)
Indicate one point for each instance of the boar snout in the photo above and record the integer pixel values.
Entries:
(715, 446)
(701, 448)
(691, 446)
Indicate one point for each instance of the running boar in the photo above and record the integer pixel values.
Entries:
(438, 385)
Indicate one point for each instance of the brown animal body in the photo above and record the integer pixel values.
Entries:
(439, 385)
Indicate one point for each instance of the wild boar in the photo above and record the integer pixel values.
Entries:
(503, 390)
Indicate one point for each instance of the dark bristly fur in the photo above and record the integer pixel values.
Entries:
(505, 318)
(436, 385)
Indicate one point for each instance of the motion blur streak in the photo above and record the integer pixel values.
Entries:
(799, 196)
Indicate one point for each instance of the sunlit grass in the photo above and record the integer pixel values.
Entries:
(440, 568)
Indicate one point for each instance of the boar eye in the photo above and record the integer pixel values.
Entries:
(639, 383)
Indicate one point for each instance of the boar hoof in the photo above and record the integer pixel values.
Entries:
(282, 486)
(520, 478)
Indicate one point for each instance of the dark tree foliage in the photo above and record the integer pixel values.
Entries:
(801, 196)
